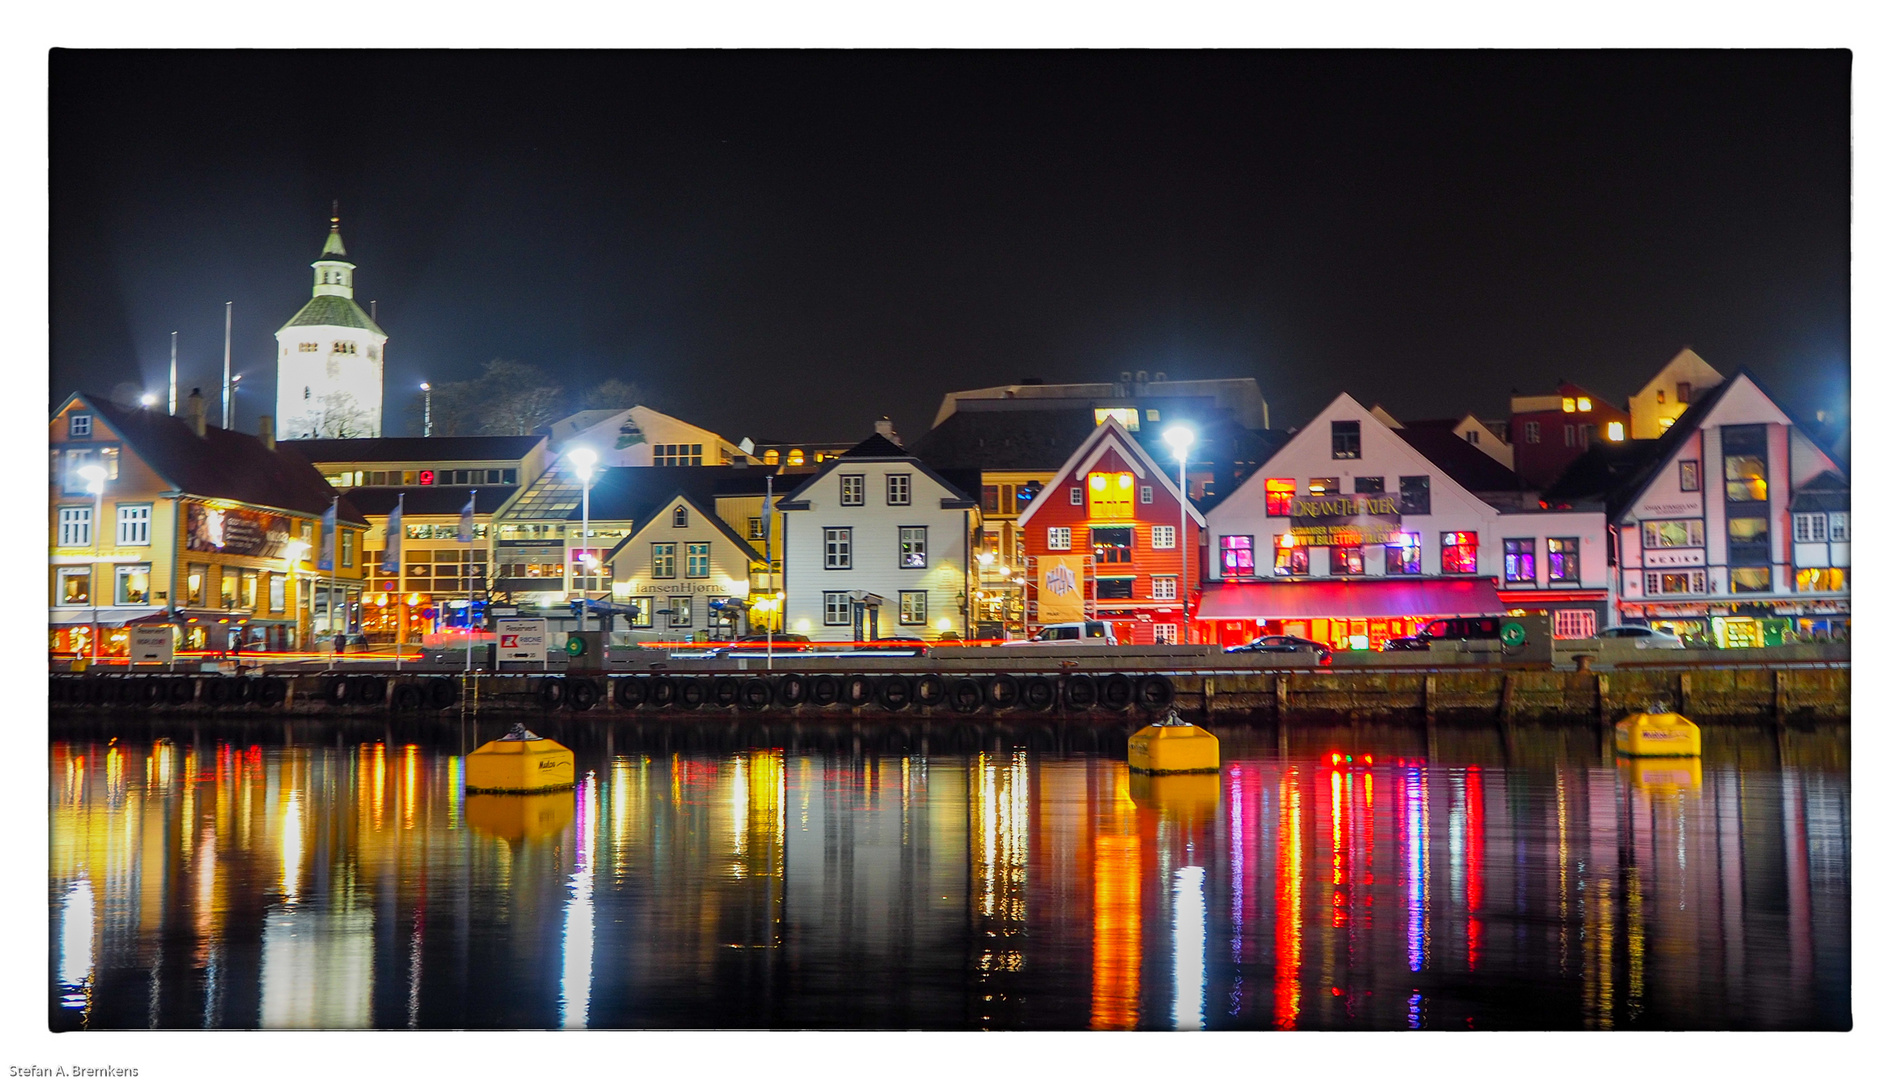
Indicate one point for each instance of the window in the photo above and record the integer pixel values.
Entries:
(135, 525)
(1114, 544)
(306, 346)
(1615, 431)
(1809, 528)
(796, 457)
(1837, 526)
(1572, 624)
(837, 609)
(1749, 579)
(195, 579)
(1533, 432)
(133, 584)
(1570, 434)
(837, 549)
(1075, 495)
(897, 489)
(1520, 560)
(1280, 497)
(1368, 485)
(991, 503)
(850, 491)
(1744, 462)
(1657, 583)
(347, 538)
(1161, 537)
(1147, 494)
(1686, 533)
(1236, 556)
(664, 564)
(754, 528)
(247, 589)
(1583, 404)
(642, 613)
(346, 348)
(771, 457)
(1162, 588)
(1114, 588)
(1059, 538)
(277, 592)
(680, 454)
(79, 426)
(1570, 404)
(699, 560)
(682, 608)
(1748, 541)
(72, 482)
(1689, 475)
(912, 550)
(1165, 634)
(1345, 440)
(75, 526)
(75, 586)
(913, 607)
(1833, 580)
(1682, 393)
(1458, 552)
(1322, 485)
(679, 517)
(1402, 554)
(1564, 562)
(1349, 560)
(1662, 397)
(1415, 494)
(1289, 559)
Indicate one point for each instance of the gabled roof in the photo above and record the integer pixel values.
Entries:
(1823, 491)
(444, 448)
(1601, 472)
(876, 448)
(222, 465)
(1111, 433)
(327, 310)
(1472, 469)
(661, 507)
(1005, 441)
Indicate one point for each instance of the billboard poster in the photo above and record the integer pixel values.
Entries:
(1059, 589)
(1327, 520)
(235, 532)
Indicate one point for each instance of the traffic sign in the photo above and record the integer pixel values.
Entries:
(521, 639)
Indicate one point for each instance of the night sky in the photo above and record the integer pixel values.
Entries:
(789, 245)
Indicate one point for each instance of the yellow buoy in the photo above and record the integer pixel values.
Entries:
(519, 761)
(1663, 774)
(1658, 734)
(1173, 746)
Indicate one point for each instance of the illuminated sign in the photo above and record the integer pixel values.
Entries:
(235, 532)
(426, 476)
(1345, 519)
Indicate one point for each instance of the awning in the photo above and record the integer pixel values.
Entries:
(1349, 599)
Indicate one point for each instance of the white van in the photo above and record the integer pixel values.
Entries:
(1093, 632)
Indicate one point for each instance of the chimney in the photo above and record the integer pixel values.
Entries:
(266, 432)
(888, 430)
(195, 412)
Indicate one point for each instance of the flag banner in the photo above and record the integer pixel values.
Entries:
(326, 545)
(392, 540)
(466, 533)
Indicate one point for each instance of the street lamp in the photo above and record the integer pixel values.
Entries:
(1180, 438)
(95, 476)
(147, 400)
(428, 423)
(583, 459)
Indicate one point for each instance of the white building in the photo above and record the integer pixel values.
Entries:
(1356, 531)
(683, 572)
(330, 358)
(1669, 393)
(1739, 527)
(876, 546)
(642, 436)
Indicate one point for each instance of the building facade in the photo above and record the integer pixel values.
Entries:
(1549, 431)
(684, 574)
(330, 357)
(1351, 534)
(641, 436)
(1669, 393)
(1104, 540)
(877, 545)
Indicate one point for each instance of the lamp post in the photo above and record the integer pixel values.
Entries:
(428, 421)
(1180, 438)
(230, 405)
(95, 476)
(583, 460)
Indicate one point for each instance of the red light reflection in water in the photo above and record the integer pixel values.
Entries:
(1474, 866)
(1289, 877)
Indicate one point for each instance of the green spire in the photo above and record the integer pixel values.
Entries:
(333, 245)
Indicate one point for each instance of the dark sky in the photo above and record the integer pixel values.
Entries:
(792, 244)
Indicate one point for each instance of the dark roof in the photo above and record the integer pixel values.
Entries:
(1005, 441)
(1827, 491)
(877, 446)
(659, 508)
(1471, 468)
(1601, 473)
(329, 310)
(445, 448)
(428, 500)
(224, 464)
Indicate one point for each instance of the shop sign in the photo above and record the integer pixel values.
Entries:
(521, 639)
(1326, 520)
(151, 644)
(235, 532)
(1674, 557)
(673, 588)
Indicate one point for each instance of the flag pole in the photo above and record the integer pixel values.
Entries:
(765, 518)
(468, 654)
(329, 596)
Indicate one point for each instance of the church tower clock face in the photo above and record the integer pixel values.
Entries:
(330, 356)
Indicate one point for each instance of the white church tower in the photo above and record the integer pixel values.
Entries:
(330, 357)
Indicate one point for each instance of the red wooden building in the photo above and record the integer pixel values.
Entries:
(1104, 540)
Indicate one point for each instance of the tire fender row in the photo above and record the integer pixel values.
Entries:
(996, 693)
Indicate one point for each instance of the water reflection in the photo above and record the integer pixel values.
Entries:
(230, 884)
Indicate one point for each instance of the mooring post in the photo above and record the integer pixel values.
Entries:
(1279, 695)
(1781, 698)
(1682, 694)
(1207, 696)
(1431, 685)
(1603, 697)
(1507, 696)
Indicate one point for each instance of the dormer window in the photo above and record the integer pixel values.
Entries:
(679, 517)
(79, 426)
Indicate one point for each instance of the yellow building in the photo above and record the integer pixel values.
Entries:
(161, 519)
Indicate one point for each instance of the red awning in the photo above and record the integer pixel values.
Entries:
(1349, 599)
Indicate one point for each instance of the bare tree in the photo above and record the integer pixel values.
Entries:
(507, 398)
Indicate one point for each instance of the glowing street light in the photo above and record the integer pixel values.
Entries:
(95, 477)
(584, 459)
(147, 400)
(1180, 438)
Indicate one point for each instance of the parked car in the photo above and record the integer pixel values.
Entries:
(1284, 643)
(1092, 632)
(1468, 628)
(1407, 644)
(1642, 637)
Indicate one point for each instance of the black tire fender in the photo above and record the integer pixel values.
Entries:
(1115, 691)
(1078, 692)
(793, 690)
(894, 692)
(965, 696)
(725, 692)
(551, 693)
(406, 696)
(929, 691)
(270, 692)
(859, 690)
(630, 692)
(1039, 692)
(370, 690)
(662, 692)
(443, 694)
(1154, 692)
(692, 693)
(1001, 692)
(826, 690)
(582, 694)
(755, 694)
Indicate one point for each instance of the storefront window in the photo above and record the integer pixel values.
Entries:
(1749, 579)
(1673, 534)
(1236, 556)
(134, 584)
(1415, 494)
(1564, 562)
(1832, 579)
(247, 589)
(75, 586)
(195, 576)
(1280, 497)
(1290, 561)
(1458, 552)
(1348, 560)
(1402, 554)
(1656, 583)
(227, 587)
(1520, 560)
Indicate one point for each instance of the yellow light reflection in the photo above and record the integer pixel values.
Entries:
(1115, 990)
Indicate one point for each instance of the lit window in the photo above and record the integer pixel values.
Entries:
(1402, 553)
(850, 490)
(913, 607)
(1348, 560)
(1112, 495)
(1686, 533)
(1458, 552)
(1583, 404)
(1236, 556)
(912, 547)
(1128, 418)
(1059, 538)
(1289, 559)
(1666, 422)
(1165, 633)
(133, 585)
(797, 458)
(1322, 485)
(1570, 404)
(1520, 560)
(75, 586)
(1115, 544)
(1564, 562)
(682, 610)
(1749, 579)
(1280, 497)
(1571, 624)
(771, 457)
(679, 517)
(1161, 537)
(754, 528)
(1616, 431)
(665, 560)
